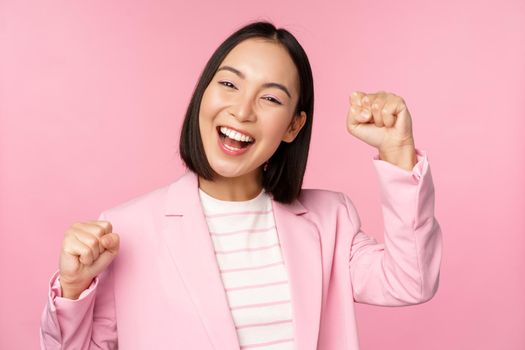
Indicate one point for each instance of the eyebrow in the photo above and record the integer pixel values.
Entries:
(266, 85)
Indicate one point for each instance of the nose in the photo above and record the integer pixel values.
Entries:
(242, 108)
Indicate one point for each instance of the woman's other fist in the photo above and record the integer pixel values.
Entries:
(87, 249)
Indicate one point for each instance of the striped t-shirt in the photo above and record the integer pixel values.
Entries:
(252, 270)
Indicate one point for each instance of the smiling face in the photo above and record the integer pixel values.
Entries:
(254, 91)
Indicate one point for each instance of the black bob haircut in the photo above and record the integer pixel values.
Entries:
(283, 177)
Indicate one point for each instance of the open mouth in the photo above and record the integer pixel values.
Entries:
(232, 142)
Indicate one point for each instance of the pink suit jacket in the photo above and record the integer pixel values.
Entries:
(164, 289)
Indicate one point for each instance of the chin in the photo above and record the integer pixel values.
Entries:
(226, 170)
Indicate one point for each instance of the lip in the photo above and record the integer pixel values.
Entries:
(230, 151)
(238, 130)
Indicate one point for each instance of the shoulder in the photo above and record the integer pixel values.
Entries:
(135, 209)
(330, 206)
(318, 200)
(152, 201)
(150, 206)
(331, 211)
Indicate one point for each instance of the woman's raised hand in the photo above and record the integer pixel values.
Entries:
(87, 249)
(381, 120)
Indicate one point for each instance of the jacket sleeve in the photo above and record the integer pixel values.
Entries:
(88, 322)
(404, 270)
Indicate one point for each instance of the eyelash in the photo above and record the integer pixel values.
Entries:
(271, 99)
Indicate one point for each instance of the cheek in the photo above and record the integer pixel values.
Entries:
(213, 100)
(207, 112)
(205, 104)
(275, 128)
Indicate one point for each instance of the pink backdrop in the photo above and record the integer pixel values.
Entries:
(93, 94)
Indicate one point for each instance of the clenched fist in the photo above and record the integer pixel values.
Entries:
(381, 120)
(87, 249)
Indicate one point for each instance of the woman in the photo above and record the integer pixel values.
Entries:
(234, 253)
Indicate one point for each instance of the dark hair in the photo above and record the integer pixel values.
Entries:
(283, 177)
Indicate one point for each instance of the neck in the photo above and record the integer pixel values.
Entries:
(241, 188)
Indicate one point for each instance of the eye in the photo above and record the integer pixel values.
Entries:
(227, 83)
(269, 98)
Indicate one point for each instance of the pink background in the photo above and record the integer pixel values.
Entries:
(93, 94)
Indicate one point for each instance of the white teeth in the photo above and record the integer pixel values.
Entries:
(231, 148)
(235, 135)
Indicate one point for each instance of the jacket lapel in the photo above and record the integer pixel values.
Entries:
(186, 233)
(301, 248)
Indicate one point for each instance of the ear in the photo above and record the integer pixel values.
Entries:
(296, 125)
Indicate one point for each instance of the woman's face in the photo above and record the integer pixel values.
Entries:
(254, 91)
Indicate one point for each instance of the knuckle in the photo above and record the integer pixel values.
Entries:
(70, 237)
(103, 227)
(98, 231)
(94, 230)
(77, 225)
(109, 227)
(92, 242)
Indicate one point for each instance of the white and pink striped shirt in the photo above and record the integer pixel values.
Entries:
(252, 269)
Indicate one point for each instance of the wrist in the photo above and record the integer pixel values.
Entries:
(72, 291)
(404, 157)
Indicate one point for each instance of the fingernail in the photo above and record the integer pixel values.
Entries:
(365, 114)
